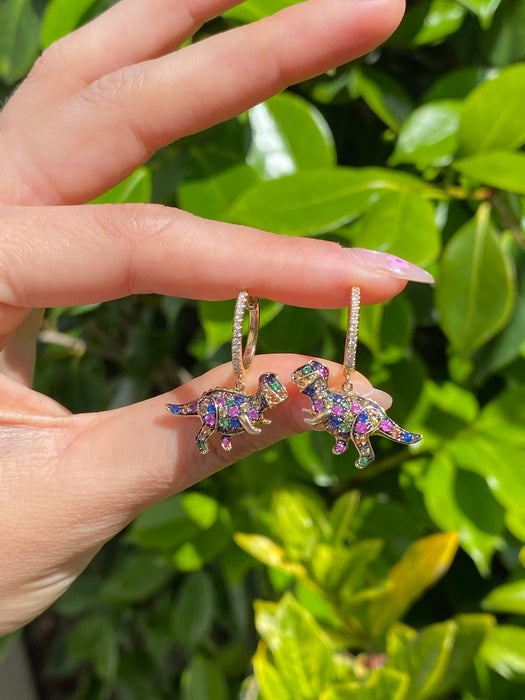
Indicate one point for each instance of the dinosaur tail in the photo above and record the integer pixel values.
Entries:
(182, 409)
(395, 432)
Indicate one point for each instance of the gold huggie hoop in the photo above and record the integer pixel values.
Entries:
(352, 332)
(242, 358)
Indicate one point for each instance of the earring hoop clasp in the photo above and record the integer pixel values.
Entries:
(351, 339)
(242, 357)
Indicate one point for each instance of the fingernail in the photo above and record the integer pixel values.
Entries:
(390, 265)
(380, 397)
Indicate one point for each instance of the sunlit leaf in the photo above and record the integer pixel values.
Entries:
(135, 188)
(19, 38)
(504, 651)
(203, 678)
(61, 17)
(508, 598)
(475, 293)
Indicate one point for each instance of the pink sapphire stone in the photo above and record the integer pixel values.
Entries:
(323, 371)
(386, 426)
(233, 411)
(253, 414)
(317, 406)
(220, 401)
(193, 406)
(209, 419)
(226, 441)
(361, 427)
(339, 447)
(355, 408)
(338, 410)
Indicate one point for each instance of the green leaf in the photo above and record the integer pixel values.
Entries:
(215, 171)
(135, 188)
(423, 564)
(252, 10)
(491, 114)
(288, 134)
(7, 643)
(61, 17)
(201, 508)
(475, 291)
(408, 222)
(315, 201)
(429, 136)
(471, 630)
(94, 639)
(268, 552)
(164, 526)
(504, 42)
(499, 169)
(194, 609)
(299, 522)
(382, 684)
(203, 679)
(301, 650)
(457, 84)
(504, 651)
(424, 657)
(138, 577)
(271, 685)
(429, 22)
(217, 318)
(383, 94)
(508, 598)
(483, 9)
(205, 545)
(462, 501)
(19, 39)
(342, 515)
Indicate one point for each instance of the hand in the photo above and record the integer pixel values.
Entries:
(96, 105)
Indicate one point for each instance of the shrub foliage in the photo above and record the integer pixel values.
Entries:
(291, 576)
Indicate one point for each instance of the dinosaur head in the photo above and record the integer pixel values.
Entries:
(272, 389)
(309, 373)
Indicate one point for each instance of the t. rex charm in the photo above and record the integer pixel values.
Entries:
(229, 412)
(346, 415)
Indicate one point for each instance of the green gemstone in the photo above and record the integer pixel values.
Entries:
(307, 369)
(345, 427)
(276, 386)
(230, 402)
(223, 423)
(363, 461)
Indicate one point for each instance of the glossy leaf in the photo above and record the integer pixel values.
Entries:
(500, 169)
(61, 17)
(424, 657)
(429, 22)
(288, 134)
(271, 685)
(301, 651)
(462, 501)
(265, 550)
(93, 639)
(315, 201)
(423, 564)
(382, 684)
(299, 522)
(342, 517)
(508, 598)
(19, 39)
(504, 651)
(135, 188)
(138, 578)
(504, 42)
(484, 9)
(385, 96)
(491, 114)
(429, 135)
(401, 223)
(194, 609)
(457, 84)
(475, 293)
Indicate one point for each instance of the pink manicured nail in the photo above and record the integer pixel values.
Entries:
(390, 265)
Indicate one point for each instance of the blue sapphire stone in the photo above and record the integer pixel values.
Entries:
(210, 408)
(309, 390)
(407, 437)
(363, 415)
(238, 398)
(174, 408)
(234, 423)
(334, 421)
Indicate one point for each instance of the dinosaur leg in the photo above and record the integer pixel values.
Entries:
(366, 453)
(340, 446)
(248, 425)
(317, 418)
(226, 442)
(202, 438)
(396, 433)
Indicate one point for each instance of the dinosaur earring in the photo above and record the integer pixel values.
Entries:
(233, 411)
(346, 415)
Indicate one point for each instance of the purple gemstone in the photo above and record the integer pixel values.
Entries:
(386, 425)
(226, 442)
(209, 419)
(323, 371)
(193, 406)
(339, 447)
(253, 414)
(338, 410)
(355, 408)
(361, 427)
(318, 406)
(233, 411)
(220, 401)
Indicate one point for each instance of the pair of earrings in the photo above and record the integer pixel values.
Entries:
(346, 415)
